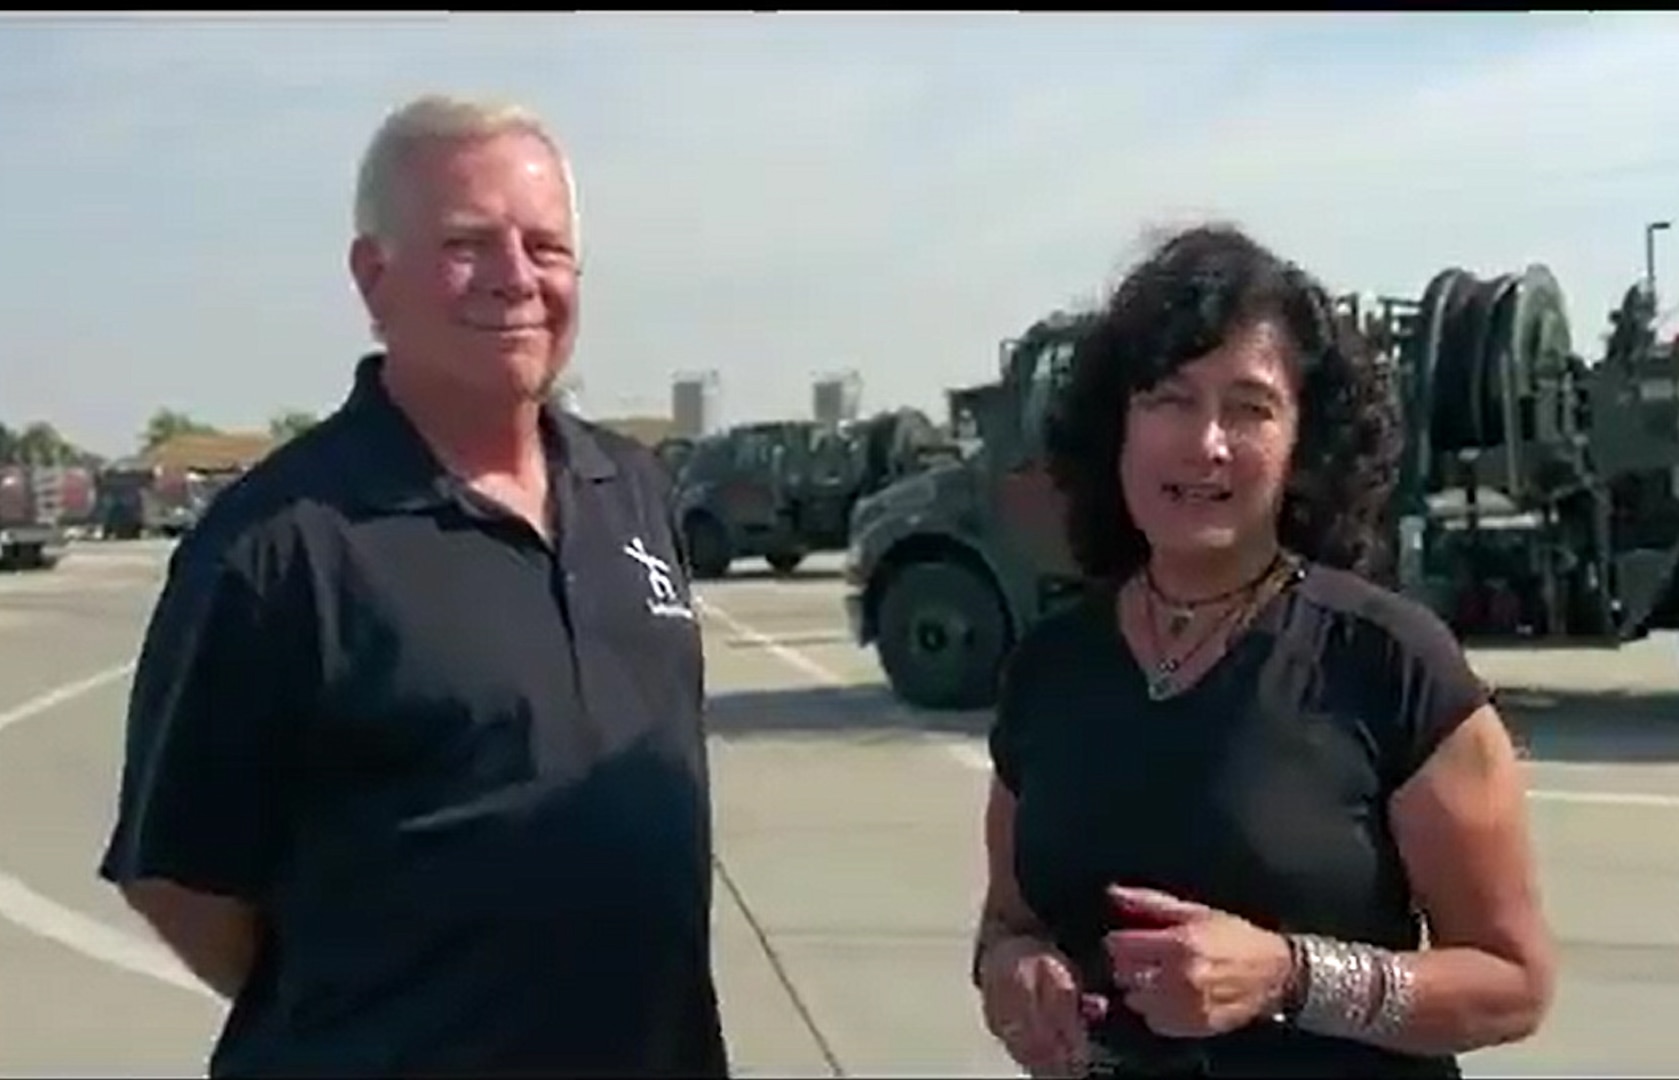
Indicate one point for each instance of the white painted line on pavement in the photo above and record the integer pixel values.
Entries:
(1648, 800)
(47, 918)
(787, 654)
(973, 754)
(61, 695)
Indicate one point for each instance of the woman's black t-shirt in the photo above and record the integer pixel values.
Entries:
(1262, 790)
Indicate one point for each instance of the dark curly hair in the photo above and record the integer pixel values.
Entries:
(1180, 304)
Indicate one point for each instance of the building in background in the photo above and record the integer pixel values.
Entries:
(837, 398)
(694, 404)
(649, 431)
(213, 452)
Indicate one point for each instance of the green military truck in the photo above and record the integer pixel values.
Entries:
(1537, 497)
(781, 490)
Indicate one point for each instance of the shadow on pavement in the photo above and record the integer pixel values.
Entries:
(1587, 728)
(1605, 728)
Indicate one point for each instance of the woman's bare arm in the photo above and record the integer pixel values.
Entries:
(1461, 826)
(1004, 913)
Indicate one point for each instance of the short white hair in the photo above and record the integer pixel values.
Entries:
(441, 117)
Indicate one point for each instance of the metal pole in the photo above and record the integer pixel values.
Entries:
(1650, 232)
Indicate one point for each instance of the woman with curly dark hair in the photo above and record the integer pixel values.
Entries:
(1238, 785)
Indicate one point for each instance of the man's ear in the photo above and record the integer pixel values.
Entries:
(367, 267)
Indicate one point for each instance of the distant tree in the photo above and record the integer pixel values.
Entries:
(41, 443)
(290, 424)
(167, 424)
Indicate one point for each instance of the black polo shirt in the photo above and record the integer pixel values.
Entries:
(461, 771)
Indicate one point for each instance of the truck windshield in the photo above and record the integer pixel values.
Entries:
(1047, 373)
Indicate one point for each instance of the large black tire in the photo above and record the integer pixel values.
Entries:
(708, 547)
(27, 557)
(942, 637)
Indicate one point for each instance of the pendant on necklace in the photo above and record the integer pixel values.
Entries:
(1161, 684)
(1178, 620)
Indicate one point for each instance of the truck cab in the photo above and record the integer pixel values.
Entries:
(945, 568)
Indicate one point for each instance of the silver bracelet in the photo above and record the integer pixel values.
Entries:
(1398, 999)
(1352, 990)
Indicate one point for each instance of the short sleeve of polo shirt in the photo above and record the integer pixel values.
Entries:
(209, 735)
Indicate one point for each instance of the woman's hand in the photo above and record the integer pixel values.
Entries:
(1191, 971)
(1033, 1005)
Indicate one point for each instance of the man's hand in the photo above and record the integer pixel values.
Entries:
(1191, 971)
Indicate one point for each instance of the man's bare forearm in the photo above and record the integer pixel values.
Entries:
(215, 937)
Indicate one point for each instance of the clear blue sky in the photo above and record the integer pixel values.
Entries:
(775, 197)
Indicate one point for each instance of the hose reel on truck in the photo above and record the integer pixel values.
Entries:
(1515, 524)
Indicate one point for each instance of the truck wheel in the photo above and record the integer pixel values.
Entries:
(708, 547)
(784, 562)
(943, 635)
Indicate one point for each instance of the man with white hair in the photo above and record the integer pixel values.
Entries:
(415, 773)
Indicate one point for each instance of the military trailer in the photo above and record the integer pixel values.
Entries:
(1539, 495)
(33, 533)
(781, 490)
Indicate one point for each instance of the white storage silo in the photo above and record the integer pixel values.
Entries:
(694, 400)
(838, 398)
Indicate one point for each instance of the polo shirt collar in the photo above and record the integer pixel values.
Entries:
(399, 471)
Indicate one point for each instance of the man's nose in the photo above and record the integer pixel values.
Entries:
(511, 269)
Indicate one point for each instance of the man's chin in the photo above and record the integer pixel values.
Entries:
(531, 371)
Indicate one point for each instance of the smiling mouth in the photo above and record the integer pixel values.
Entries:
(1196, 493)
(504, 328)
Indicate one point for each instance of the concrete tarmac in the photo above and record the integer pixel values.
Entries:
(848, 831)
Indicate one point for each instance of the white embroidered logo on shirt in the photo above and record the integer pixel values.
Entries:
(664, 599)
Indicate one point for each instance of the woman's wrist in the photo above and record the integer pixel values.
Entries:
(1347, 990)
(988, 945)
(1288, 989)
